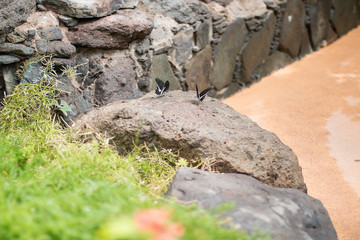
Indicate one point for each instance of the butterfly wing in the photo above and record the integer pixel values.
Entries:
(203, 93)
(166, 86)
(197, 91)
(159, 86)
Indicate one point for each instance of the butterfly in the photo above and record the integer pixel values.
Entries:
(203, 93)
(161, 87)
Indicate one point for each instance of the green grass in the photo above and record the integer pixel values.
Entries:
(56, 185)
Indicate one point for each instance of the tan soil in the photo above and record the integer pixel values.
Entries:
(313, 105)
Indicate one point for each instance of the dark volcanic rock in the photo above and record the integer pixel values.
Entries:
(258, 48)
(85, 9)
(61, 63)
(73, 98)
(225, 54)
(319, 13)
(284, 213)
(345, 15)
(17, 36)
(208, 129)
(30, 37)
(305, 47)
(198, 68)
(13, 13)
(33, 73)
(114, 31)
(203, 34)
(182, 46)
(88, 70)
(8, 59)
(291, 30)
(60, 49)
(183, 11)
(275, 61)
(41, 46)
(117, 82)
(16, 49)
(9, 75)
(161, 68)
(51, 33)
(67, 20)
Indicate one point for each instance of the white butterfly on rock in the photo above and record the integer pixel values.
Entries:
(203, 93)
(161, 87)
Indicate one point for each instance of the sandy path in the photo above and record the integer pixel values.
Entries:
(313, 105)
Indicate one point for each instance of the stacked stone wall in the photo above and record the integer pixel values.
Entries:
(119, 47)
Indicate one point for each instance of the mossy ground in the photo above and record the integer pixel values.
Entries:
(55, 185)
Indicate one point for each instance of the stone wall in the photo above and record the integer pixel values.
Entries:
(120, 46)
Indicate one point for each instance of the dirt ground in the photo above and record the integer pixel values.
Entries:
(313, 105)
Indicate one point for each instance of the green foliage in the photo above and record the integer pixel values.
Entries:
(156, 169)
(55, 186)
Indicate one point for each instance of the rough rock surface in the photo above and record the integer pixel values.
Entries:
(117, 82)
(275, 61)
(258, 48)
(208, 129)
(284, 213)
(198, 68)
(16, 49)
(345, 15)
(33, 73)
(73, 98)
(9, 75)
(60, 49)
(51, 33)
(182, 47)
(67, 20)
(161, 68)
(12, 14)
(230, 44)
(203, 34)
(246, 9)
(183, 11)
(291, 29)
(17, 36)
(319, 13)
(8, 59)
(85, 9)
(162, 35)
(89, 69)
(114, 31)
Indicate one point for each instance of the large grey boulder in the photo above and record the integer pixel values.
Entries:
(284, 213)
(208, 129)
(12, 14)
(114, 31)
(88, 9)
